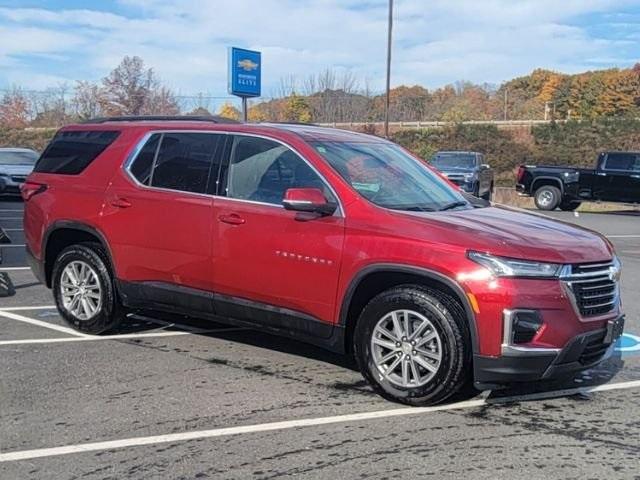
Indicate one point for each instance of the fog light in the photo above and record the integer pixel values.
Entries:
(520, 326)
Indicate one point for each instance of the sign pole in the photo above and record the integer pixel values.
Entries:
(386, 99)
(245, 110)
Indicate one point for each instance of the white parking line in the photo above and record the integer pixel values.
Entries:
(13, 245)
(17, 309)
(289, 424)
(10, 218)
(11, 269)
(14, 211)
(623, 236)
(40, 323)
(97, 338)
(13, 229)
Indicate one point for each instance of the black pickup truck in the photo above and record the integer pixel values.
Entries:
(616, 178)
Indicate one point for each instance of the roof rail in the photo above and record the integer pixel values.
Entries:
(162, 118)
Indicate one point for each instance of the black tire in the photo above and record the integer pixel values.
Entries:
(448, 319)
(110, 313)
(569, 206)
(547, 197)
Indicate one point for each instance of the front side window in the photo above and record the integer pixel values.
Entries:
(262, 170)
(70, 152)
(386, 175)
(623, 161)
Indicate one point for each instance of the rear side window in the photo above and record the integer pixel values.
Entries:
(623, 161)
(143, 165)
(178, 161)
(70, 152)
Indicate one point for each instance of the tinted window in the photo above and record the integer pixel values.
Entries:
(454, 160)
(262, 170)
(623, 161)
(142, 165)
(386, 175)
(69, 153)
(184, 161)
(18, 157)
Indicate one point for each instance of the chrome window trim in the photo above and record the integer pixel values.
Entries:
(126, 167)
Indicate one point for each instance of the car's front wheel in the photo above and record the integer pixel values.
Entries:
(83, 289)
(412, 345)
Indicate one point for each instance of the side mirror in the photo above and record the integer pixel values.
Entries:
(310, 200)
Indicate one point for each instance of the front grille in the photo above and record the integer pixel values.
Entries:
(594, 288)
(18, 178)
(594, 349)
(457, 179)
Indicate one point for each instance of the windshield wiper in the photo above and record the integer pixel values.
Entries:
(452, 205)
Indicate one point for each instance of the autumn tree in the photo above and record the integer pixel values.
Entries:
(132, 89)
(14, 109)
(86, 100)
(229, 111)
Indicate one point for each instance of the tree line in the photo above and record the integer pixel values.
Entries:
(133, 89)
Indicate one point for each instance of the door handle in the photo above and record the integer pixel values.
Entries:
(121, 203)
(231, 219)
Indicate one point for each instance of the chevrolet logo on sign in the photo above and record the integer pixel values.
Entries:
(247, 65)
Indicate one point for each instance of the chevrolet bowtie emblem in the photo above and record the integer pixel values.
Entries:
(247, 65)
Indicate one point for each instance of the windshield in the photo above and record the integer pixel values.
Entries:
(386, 175)
(454, 160)
(18, 158)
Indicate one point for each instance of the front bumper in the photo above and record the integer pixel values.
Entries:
(581, 353)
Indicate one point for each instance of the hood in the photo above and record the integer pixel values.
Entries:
(515, 233)
(15, 169)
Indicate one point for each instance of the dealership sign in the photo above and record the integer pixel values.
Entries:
(245, 68)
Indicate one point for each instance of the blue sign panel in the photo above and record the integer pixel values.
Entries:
(245, 68)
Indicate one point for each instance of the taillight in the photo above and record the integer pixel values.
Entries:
(29, 189)
(520, 173)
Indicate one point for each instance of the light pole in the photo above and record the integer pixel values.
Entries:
(386, 100)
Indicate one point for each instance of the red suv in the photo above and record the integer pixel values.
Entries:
(335, 238)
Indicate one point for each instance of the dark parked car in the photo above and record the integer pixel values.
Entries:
(15, 165)
(467, 170)
(616, 178)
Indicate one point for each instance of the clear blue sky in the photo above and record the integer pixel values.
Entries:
(45, 43)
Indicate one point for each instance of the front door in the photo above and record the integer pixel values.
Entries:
(271, 265)
(157, 216)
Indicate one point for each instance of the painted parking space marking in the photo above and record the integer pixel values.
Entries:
(121, 336)
(628, 344)
(623, 236)
(40, 323)
(17, 309)
(12, 245)
(290, 424)
(12, 269)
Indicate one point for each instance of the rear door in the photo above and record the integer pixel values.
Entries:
(158, 218)
(271, 265)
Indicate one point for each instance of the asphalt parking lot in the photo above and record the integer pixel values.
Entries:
(177, 398)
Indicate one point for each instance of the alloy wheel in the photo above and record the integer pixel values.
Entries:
(406, 348)
(81, 291)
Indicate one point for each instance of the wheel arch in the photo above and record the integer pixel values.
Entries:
(63, 233)
(374, 279)
(544, 181)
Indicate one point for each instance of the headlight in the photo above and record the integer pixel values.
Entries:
(469, 177)
(509, 267)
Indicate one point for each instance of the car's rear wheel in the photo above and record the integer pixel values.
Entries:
(547, 197)
(84, 291)
(412, 345)
(569, 206)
